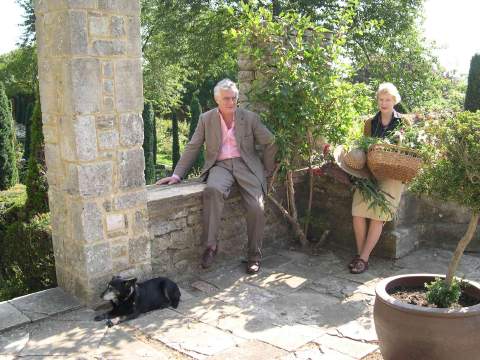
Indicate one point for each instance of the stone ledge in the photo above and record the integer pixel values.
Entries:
(34, 307)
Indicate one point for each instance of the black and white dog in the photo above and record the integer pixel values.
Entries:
(130, 299)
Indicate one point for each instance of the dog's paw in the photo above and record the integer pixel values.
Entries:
(109, 323)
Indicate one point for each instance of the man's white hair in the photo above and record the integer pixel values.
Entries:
(225, 84)
(389, 88)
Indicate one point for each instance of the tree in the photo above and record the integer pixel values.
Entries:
(195, 111)
(175, 141)
(302, 90)
(181, 56)
(36, 180)
(452, 172)
(148, 142)
(8, 158)
(29, 34)
(472, 97)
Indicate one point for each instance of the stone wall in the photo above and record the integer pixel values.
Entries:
(89, 65)
(420, 221)
(175, 214)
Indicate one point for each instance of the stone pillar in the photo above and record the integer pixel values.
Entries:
(89, 65)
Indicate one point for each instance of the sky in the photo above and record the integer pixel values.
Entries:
(452, 24)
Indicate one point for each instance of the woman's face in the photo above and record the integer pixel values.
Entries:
(385, 103)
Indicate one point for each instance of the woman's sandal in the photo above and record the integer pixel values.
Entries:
(354, 260)
(253, 267)
(359, 267)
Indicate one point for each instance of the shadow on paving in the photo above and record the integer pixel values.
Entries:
(299, 306)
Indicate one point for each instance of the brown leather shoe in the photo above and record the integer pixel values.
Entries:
(253, 267)
(208, 257)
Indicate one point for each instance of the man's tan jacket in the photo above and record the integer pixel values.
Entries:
(249, 131)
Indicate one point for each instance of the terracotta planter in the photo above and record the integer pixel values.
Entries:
(410, 332)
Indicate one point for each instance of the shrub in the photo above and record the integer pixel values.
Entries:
(452, 172)
(440, 294)
(8, 158)
(26, 258)
(472, 97)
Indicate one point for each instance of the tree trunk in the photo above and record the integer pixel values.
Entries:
(310, 199)
(292, 220)
(462, 244)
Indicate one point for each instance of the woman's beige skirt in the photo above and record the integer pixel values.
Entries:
(360, 206)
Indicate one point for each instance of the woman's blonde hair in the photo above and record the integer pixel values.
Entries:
(390, 89)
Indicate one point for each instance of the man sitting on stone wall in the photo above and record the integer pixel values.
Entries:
(230, 135)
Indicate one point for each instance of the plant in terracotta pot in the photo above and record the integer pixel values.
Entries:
(451, 172)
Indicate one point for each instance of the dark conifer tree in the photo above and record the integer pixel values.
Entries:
(36, 180)
(472, 97)
(175, 141)
(8, 156)
(148, 142)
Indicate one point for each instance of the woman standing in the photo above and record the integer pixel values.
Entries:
(368, 222)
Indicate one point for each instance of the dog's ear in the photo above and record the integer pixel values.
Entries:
(131, 281)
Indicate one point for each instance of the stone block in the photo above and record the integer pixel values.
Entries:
(131, 167)
(247, 75)
(130, 200)
(50, 134)
(87, 221)
(108, 104)
(84, 86)
(134, 40)
(120, 264)
(105, 121)
(129, 90)
(139, 249)
(50, 74)
(131, 129)
(161, 227)
(119, 249)
(11, 317)
(52, 158)
(107, 68)
(140, 221)
(180, 240)
(109, 47)
(116, 222)
(108, 87)
(120, 6)
(56, 41)
(159, 245)
(42, 6)
(99, 26)
(107, 140)
(45, 303)
(245, 64)
(95, 179)
(118, 26)
(77, 28)
(85, 138)
(98, 259)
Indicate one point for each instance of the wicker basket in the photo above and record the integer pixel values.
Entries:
(393, 162)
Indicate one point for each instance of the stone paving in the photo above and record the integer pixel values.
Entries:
(298, 307)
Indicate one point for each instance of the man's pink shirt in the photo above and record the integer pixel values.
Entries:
(229, 148)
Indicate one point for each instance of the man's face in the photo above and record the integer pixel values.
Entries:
(227, 101)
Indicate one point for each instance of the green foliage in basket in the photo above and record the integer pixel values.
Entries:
(374, 196)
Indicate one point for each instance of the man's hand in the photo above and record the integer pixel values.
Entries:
(169, 180)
